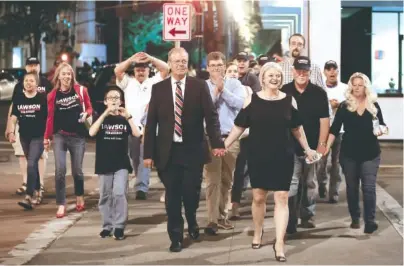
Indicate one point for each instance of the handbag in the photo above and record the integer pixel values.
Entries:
(89, 120)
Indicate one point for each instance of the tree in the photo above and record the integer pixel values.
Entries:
(29, 20)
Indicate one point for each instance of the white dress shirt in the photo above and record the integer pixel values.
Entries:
(174, 87)
(137, 95)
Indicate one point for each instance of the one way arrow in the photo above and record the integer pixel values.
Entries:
(173, 32)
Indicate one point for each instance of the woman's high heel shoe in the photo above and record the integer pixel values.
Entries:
(258, 246)
(278, 258)
(61, 215)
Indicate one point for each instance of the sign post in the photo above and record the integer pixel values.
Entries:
(177, 22)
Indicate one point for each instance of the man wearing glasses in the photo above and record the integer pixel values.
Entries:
(297, 44)
(137, 91)
(228, 97)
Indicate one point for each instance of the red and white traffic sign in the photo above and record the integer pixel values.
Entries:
(177, 22)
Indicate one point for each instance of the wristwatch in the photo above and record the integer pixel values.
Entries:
(324, 144)
(129, 117)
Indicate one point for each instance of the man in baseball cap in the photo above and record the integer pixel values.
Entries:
(32, 61)
(247, 76)
(302, 63)
(336, 95)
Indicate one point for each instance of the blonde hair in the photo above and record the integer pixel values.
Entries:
(268, 66)
(352, 103)
(56, 81)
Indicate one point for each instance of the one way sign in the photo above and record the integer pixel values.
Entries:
(177, 22)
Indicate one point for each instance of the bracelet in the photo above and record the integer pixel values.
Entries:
(129, 117)
(324, 144)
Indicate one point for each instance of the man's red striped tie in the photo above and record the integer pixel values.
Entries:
(179, 103)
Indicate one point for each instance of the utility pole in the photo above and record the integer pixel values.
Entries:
(120, 34)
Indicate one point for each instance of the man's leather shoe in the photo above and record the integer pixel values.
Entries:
(176, 247)
(211, 229)
(194, 233)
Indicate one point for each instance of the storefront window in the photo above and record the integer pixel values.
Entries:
(385, 52)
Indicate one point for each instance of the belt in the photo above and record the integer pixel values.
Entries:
(225, 135)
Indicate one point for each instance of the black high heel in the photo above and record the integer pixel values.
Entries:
(278, 258)
(258, 246)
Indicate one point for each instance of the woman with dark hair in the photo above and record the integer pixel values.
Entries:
(29, 109)
(69, 107)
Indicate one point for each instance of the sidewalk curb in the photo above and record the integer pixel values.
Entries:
(41, 239)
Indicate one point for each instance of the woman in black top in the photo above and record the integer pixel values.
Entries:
(360, 151)
(30, 110)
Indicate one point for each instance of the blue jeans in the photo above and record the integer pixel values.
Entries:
(76, 146)
(305, 195)
(333, 168)
(365, 172)
(113, 203)
(33, 149)
(142, 173)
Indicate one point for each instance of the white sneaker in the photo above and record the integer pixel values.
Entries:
(163, 197)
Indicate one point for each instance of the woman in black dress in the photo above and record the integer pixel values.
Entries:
(272, 118)
(360, 151)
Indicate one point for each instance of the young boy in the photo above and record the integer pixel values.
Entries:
(112, 163)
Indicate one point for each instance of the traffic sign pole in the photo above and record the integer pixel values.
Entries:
(177, 44)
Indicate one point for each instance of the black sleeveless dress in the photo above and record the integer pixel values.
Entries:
(270, 150)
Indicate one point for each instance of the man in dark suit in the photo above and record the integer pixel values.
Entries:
(178, 107)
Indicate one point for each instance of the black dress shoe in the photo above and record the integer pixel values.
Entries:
(176, 247)
(194, 233)
(211, 229)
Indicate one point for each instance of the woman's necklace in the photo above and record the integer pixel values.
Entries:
(273, 97)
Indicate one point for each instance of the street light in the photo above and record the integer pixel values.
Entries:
(64, 57)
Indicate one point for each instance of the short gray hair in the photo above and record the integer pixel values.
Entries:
(268, 66)
(176, 50)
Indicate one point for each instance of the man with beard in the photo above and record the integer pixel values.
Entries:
(336, 94)
(297, 44)
(32, 65)
(312, 103)
(137, 91)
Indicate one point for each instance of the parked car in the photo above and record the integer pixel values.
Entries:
(7, 84)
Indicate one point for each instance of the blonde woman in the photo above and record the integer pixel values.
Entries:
(272, 118)
(68, 108)
(360, 151)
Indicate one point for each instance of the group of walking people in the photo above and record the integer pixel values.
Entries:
(273, 128)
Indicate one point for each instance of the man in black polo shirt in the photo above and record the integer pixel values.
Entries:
(32, 65)
(312, 103)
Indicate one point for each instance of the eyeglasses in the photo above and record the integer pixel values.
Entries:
(216, 66)
(113, 98)
(298, 44)
(180, 62)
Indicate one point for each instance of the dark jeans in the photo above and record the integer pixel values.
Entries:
(365, 172)
(240, 172)
(33, 149)
(76, 146)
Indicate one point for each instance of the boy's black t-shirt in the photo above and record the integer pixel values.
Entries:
(112, 145)
(67, 112)
(31, 114)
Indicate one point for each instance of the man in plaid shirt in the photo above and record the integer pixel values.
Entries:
(297, 43)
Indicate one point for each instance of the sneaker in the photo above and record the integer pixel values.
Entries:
(118, 234)
(141, 195)
(225, 224)
(26, 204)
(308, 223)
(105, 233)
(355, 224)
(370, 227)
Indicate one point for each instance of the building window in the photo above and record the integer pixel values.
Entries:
(385, 52)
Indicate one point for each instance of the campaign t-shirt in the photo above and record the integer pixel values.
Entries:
(112, 145)
(67, 112)
(44, 86)
(31, 114)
